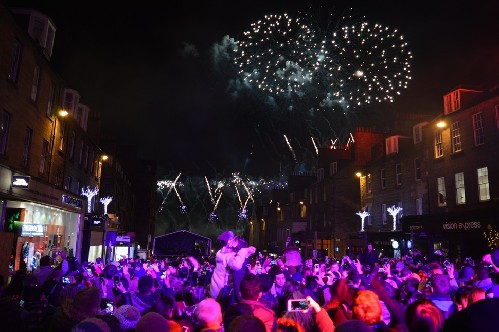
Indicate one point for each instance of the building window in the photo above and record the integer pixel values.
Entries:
(51, 101)
(85, 158)
(398, 174)
(80, 155)
(303, 211)
(333, 168)
(91, 160)
(61, 144)
(320, 174)
(483, 184)
(455, 137)
(15, 63)
(419, 206)
(417, 169)
(58, 178)
(27, 146)
(383, 178)
(392, 144)
(67, 183)
(417, 132)
(368, 183)
(439, 149)
(460, 191)
(401, 212)
(4, 132)
(383, 213)
(368, 218)
(478, 128)
(72, 144)
(442, 193)
(45, 154)
(35, 84)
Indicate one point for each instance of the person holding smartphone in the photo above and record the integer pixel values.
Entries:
(73, 283)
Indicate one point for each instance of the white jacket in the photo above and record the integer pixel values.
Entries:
(226, 262)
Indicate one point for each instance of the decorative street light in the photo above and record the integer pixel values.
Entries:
(363, 215)
(89, 193)
(105, 201)
(393, 211)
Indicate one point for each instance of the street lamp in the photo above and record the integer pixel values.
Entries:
(62, 113)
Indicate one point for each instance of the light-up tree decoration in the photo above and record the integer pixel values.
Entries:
(105, 201)
(393, 211)
(363, 215)
(89, 193)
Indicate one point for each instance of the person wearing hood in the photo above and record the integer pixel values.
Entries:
(227, 261)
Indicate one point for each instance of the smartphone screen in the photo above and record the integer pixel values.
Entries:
(297, 305)
(116, 280)
(65, 280)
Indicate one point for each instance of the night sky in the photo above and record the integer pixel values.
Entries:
(148, 68)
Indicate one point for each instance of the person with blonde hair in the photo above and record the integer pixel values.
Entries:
(367, 307)
(209, 315)
(288, 324)
(476, 294)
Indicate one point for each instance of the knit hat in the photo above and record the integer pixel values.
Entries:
(128, 316)
(152, 321)
(104, 323)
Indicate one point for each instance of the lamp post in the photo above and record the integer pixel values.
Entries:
(62, 113)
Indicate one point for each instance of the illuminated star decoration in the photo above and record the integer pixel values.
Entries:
(362, 215)
(393, 211)
(105, 202)
(89, 193)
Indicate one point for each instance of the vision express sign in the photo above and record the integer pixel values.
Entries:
(445, 225)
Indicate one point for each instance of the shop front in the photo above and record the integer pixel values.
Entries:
(44, 221)
(456, 235)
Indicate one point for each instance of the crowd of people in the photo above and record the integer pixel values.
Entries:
(241, 288)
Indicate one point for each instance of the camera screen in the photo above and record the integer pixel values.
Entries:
(65, 280)
(107, 306)
(297, 305)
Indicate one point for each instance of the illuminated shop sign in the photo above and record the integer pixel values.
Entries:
(32, 230)
(77, 203)
(123, 238)
(19, 181)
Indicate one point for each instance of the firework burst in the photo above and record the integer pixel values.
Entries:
(344, 67)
